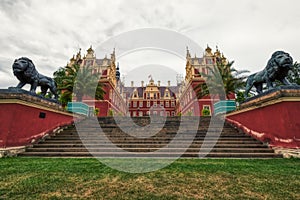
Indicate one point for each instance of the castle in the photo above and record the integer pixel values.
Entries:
(150, 98)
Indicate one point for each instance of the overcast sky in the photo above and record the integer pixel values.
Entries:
(50, 32)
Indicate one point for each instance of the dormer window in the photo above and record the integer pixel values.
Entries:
(135, 94)
(209, 61)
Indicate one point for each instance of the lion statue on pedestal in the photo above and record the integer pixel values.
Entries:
(26, 73)
(277, 69)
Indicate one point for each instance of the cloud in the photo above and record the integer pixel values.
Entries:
(50, 32)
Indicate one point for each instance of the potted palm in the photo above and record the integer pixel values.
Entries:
(78, 81)
(222, 81)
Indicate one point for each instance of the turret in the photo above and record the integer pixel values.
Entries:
(118, 72)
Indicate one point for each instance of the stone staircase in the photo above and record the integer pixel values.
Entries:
(177, 137)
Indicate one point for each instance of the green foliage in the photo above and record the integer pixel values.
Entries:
(110, 113)
(294, 75)
(240, 97)
(205, 112)
(222, 80)
(79, 81)
(96, 111)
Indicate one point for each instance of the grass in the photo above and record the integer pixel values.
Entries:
(59, 178)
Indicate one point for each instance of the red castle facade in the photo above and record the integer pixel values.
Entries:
(151, 98)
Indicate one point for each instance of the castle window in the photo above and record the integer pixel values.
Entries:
(161, 104)
(172, 103)
(155, 103)
(167, 104)
(148, 104)
(141, 104)
(161, 113)
(134, 104)
(173, 113)
(209, 61)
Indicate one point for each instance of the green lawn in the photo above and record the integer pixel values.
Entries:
(58, 178)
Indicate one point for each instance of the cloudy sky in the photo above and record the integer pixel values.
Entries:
(50, 32)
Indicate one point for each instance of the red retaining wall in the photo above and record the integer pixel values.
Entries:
(25, 119)
(273, 119)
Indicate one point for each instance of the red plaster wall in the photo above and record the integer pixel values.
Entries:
(20, 124)
(278, 124)
(103, 108)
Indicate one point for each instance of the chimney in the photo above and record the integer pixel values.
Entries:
(132, 83)
(158, 83)
(169, 83)
(142, 83)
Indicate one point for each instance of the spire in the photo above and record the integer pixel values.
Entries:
(90, 49)
(90, 52)
(118, 72)
(188, 55)
(217, 53)
(113, 55)
(73, 58)
(208, 49)
(78, 56)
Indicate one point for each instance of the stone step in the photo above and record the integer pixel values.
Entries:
(166, 137)
(70, 145)
(149, 142)
(153, 155)
(140, 149)
(158, 139)
(229, 144)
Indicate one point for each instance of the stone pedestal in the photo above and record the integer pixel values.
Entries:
(26, 118)
(272, 117)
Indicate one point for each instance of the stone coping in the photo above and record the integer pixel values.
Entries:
(11, 151)
(19, 94)
(291, 92)
(287, 153)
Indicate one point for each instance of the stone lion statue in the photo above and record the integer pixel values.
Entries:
(277, 69)
(26, 73)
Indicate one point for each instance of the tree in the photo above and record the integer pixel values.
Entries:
(60, 78)
(79, 81)
(87, 83)
(222, 80)
(294, 75)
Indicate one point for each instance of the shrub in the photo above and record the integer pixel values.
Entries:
(205, 112)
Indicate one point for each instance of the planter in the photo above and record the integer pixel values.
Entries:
(224, 106)
(79, 108)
